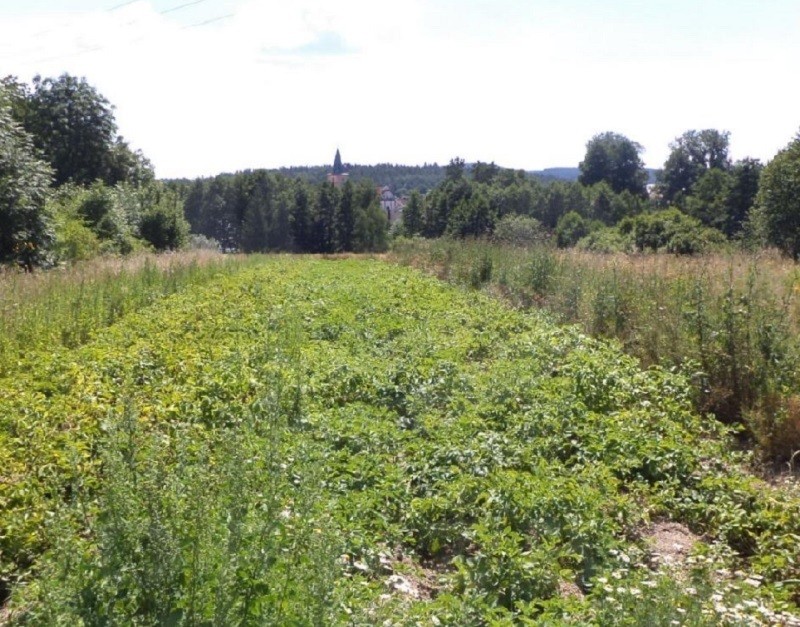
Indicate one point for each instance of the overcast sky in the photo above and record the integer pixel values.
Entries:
(208, 86)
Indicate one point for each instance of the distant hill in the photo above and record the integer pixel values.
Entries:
(400, 178)
(572, 174)
(404, 178)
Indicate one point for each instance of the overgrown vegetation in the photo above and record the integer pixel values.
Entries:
(66, 308)
(730, 322)
(346, 442)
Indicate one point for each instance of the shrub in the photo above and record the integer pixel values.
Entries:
(164, 226)
(519, 230)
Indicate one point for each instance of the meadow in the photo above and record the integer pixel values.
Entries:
(302, 441)
(729, 322)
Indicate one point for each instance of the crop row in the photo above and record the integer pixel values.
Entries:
(344, 442)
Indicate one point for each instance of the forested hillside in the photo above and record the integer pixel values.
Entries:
(400, 178)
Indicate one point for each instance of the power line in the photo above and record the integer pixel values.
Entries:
(119, 6)
(114, 8)
(211, 21)
(182, 6)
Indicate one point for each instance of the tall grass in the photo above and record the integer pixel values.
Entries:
(731, 321)
(65, 307)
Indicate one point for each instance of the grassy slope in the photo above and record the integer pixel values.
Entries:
(312, 441)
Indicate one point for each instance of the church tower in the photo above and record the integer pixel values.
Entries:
(339, 174)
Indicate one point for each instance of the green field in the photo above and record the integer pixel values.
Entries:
(299, 441)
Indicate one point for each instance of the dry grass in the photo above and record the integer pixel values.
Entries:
(731, 321)
(65, 306)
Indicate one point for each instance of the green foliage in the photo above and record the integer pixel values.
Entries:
(163, 225)
(257, 211)
(519, 230)
(692, 154)
(74, 240)
(571, 227)
(779, 199)
(614, 159)
(606, 240)
(27, 233)
(708, 199)
(346, 442)
(412, 215)
(73, 125)
(730, 322)
(670, 231)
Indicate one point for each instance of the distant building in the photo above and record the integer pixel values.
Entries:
(339, 174)
(391, 204)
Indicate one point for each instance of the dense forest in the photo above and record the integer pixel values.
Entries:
(259, 211)
(72, 188)
(402, 179)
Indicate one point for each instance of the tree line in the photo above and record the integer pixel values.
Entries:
(70, 186)
(260, 211)
(701, 200)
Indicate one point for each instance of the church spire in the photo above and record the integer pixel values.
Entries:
(338, 168)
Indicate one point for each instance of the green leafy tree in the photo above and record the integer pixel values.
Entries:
(73, 126)
(692, 154)
(163, 224)
(571, 227)
(472, 216)
(344, 219)
(327, 199)
(485, 172)
(26, 230)
(255, 227)
(371, 226)
(778, 199)
(708, 201)
(124, 165)
(301, 220)
(412, 215)
(455, 169)
(614, 159)
(746, 176)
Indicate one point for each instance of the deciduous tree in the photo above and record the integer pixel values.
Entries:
(26, 233)
(779, 199)
(614, 159)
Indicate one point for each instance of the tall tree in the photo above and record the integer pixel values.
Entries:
(484, 172)
(778, 199)
(344, 219)
(692, 154)
(73, 125)
(455, 169)
(746, 175)
(26, 234)
(412, 215)
(615, 159)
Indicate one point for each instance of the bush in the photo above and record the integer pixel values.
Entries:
(164, 226)
(671, 231)
(201, 242)
(571, 227)
(75, 241)
(605, 240)
(519, 230)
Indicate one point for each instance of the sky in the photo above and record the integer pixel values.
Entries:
(209, 86)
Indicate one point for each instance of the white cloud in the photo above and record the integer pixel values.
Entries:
(286, 83)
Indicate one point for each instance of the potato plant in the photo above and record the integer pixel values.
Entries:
(305, 441)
